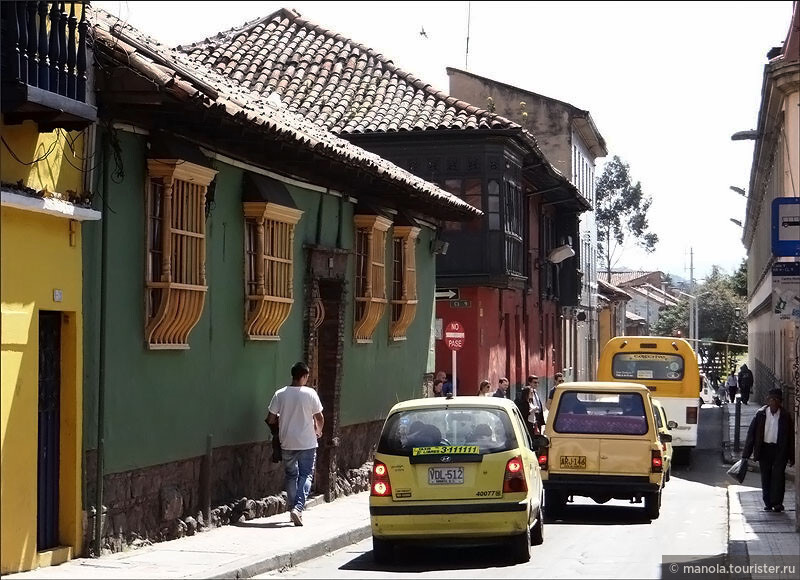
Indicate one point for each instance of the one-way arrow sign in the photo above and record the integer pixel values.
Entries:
(447, 294)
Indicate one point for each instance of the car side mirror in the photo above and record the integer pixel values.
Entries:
(539, 441)
(665, 438)
(671, 424)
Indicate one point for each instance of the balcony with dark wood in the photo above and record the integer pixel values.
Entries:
(44, 65)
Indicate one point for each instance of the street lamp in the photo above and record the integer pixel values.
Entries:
(737, 222)
(745, 135)
(738, 190)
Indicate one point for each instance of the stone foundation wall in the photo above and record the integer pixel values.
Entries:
(164, 502)
(358, 444)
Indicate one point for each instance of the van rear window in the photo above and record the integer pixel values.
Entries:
(488, 429)
(601, 413)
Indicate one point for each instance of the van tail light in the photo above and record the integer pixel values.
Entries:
(656, 462)
(691, 415)
(514, 479)
(543, 460)
(380, 485)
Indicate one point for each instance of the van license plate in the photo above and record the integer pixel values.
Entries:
(445, 475)
(573, 462)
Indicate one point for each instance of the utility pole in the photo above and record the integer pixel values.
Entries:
(466, 56)
(693, 303)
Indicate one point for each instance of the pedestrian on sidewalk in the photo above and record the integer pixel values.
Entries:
(300, 425)
(557, 380)
(484, 389)
(770, 439)
(745, 383)
(502, 388)
(732, 386)
(536, 415)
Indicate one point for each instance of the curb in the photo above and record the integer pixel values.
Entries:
(263, 564)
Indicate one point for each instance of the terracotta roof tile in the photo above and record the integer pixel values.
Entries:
(340, 84)
(176, 75)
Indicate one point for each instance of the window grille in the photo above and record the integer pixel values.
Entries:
(176, 251)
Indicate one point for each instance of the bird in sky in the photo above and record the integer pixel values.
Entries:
(423, 33)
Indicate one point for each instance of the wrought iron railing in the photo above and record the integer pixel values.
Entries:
(44, 45)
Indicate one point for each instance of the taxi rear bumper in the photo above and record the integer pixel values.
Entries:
(453, 521)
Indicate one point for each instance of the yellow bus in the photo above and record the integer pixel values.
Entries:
(668, 367)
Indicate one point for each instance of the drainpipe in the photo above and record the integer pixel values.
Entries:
(341, 220)
(101, 383)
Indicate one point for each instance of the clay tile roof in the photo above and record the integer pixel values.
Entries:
(335, 82)
(176, 75)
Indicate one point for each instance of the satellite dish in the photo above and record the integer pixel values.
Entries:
(560, 254)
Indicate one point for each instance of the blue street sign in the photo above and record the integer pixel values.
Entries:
(786, 226)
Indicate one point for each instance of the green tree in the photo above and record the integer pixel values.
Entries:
(673, 319)
(739, 280)
(621, 213)
(718, 300)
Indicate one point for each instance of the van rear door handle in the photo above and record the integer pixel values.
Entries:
(604, 457)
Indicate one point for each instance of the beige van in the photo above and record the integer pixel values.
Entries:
(604, 444)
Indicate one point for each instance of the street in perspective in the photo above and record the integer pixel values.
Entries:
(400, 289)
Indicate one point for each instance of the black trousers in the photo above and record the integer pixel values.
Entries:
(745, 394)
(773, 475)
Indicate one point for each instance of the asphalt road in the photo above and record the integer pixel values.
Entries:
(613, 540)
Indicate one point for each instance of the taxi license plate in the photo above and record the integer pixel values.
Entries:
(445, 475)
(573, 462)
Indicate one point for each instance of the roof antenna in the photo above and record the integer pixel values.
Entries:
(466, 56)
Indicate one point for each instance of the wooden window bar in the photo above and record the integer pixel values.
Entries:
(269, 252)
(404, 302)
(371, 299)
(176, 269)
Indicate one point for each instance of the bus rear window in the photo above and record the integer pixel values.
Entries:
(648, 366)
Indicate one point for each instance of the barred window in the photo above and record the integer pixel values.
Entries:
(404, 280)
(269, 251)
(370, 275)
(176, 251)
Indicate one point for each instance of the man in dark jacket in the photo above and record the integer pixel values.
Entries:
(745, 383)
(770, 439)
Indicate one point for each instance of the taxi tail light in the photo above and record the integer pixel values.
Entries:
(691, 415)
(380, 485)
(543, 460)
(514, 479)
(656, 462)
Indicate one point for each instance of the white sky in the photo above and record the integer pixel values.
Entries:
(667, 83)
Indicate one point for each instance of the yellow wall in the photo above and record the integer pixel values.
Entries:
(604, 326)
(58, 171)
(36, 258)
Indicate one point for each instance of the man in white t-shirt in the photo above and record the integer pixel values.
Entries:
(299, 427)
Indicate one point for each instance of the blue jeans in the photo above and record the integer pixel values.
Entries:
(299, 466)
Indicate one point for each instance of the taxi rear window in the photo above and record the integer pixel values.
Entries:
(488, 429)
(601, 413)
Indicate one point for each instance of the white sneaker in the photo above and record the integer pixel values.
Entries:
(296, 517)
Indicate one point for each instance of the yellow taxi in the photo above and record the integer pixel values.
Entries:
(460, 470)
(664, 435)
(603, 444)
